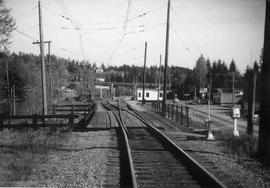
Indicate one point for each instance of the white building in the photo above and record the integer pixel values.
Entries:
(150, 94)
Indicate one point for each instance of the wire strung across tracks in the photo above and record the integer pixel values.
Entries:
(153, 159)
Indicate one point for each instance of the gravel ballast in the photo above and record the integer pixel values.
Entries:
(74, 160)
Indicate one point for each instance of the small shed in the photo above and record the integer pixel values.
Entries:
(150, 94)
(222, 96)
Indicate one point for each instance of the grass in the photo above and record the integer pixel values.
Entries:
(24, 150)
(240, 147)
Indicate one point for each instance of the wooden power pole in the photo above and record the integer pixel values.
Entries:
(264, 128)
(144, 72)
(50, 68)
(49, 61)
(43, 70)
(166, 59)
(159, 77)
(251, 102)
(233, 80)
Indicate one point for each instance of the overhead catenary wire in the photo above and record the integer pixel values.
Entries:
(104, 28)
(186, 30)
(123, 32)
(55, 13)
(185, 45)
(63, 7)
(147, 12)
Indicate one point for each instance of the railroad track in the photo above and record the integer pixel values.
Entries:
(153, 160)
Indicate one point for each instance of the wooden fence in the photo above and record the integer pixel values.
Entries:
(66, 112)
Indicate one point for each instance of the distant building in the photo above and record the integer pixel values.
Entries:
(224, 96)
(150, 94)
(100, 79)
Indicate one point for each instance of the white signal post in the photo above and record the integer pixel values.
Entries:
(210, 135)
(235, 116)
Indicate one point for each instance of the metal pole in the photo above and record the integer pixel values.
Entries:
(251, 104)
(181, 115)
(166, 59)
(50, 64)
(14, 103)
(8, 90)
(233, 89)
(43, 70)
(159, 77)
(209, 100)
(144, 72)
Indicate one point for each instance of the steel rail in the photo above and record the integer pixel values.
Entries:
(194, 164)
(124, 133)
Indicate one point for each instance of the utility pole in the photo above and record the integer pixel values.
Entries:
(264, 129)
(166, 59)
(14, 100)
(251, 103)
(8, 89)
(209, 99)
(50, 68)
(232, 89)
(49, 60)
(144, 72)
(43, 70)
(159, 77)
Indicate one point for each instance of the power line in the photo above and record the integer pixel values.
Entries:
(55, 13)
(26, 35)
(25, 13)
(104, 28)
(62, 5)
(178, 36)
(123, 32)
(186, 31)
(147, 12)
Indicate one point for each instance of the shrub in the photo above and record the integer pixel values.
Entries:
(241, 146)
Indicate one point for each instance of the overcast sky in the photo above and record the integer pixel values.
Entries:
(231, 29)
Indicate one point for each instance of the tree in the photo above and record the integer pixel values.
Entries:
(201, 70)
(7, 25)
(232, 66)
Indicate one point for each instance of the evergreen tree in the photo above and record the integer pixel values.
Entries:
(232, 67)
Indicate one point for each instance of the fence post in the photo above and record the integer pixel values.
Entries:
(54, 106)
(172, 111)
(187, 117)
(168, 111)
(72, 109)
(70, 121)
(181, 115)
(34, 120)
(177, 113)
(1, 123)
